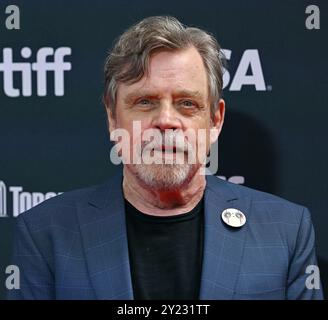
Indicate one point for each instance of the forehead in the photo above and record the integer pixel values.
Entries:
(171, 71)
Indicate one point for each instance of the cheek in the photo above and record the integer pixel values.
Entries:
(204, 142)
(203, 133)
(132, 125)
(136, 129)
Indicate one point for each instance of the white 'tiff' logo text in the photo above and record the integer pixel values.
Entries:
(42, 66)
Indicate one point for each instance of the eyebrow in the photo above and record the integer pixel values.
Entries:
(189, 93)
(134, 95)
(149, 94)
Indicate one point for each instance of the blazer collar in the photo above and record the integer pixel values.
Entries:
(103, 229)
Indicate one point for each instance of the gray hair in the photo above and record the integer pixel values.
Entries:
(128, 61)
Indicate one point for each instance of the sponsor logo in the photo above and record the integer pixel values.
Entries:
(3, 199)
(249, 72)
(21, 199)
(42, 67)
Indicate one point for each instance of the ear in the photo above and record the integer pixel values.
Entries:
(217, 121)
(110, 116)
(111, 120)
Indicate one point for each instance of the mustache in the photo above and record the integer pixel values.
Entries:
(167, 141)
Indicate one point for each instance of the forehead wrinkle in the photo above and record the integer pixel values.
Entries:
(167, 79)
(152, 93)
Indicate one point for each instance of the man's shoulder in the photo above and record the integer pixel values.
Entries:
(263, 204)
(242, 191)
(63, 205)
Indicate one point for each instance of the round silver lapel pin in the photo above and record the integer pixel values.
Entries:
(233, 217)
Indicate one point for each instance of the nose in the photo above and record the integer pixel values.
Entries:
(166, 117)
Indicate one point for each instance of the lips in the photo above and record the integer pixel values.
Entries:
(169, 149)
(166, 148)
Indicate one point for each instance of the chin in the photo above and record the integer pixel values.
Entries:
(165, 177)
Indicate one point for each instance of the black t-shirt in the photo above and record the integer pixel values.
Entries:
(165, 253)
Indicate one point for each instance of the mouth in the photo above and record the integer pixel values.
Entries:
(171, 149)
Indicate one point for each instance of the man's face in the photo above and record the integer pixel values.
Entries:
(173, 95)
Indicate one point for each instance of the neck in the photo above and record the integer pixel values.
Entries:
(166, 202)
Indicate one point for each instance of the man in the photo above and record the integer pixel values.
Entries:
(163, 229)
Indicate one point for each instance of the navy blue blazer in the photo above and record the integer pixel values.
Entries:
(74, 246)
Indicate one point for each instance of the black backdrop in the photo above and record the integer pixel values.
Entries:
(274, 134)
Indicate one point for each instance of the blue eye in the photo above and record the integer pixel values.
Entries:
(187, 103)
(144, 102)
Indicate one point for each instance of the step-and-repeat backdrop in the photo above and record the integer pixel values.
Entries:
(53, 134)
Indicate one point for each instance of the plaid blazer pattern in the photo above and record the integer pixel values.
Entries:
(74, 246)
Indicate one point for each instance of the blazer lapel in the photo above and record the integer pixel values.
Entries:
(223, 245)
(103, 229)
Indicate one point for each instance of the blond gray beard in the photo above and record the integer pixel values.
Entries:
(165, 177)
